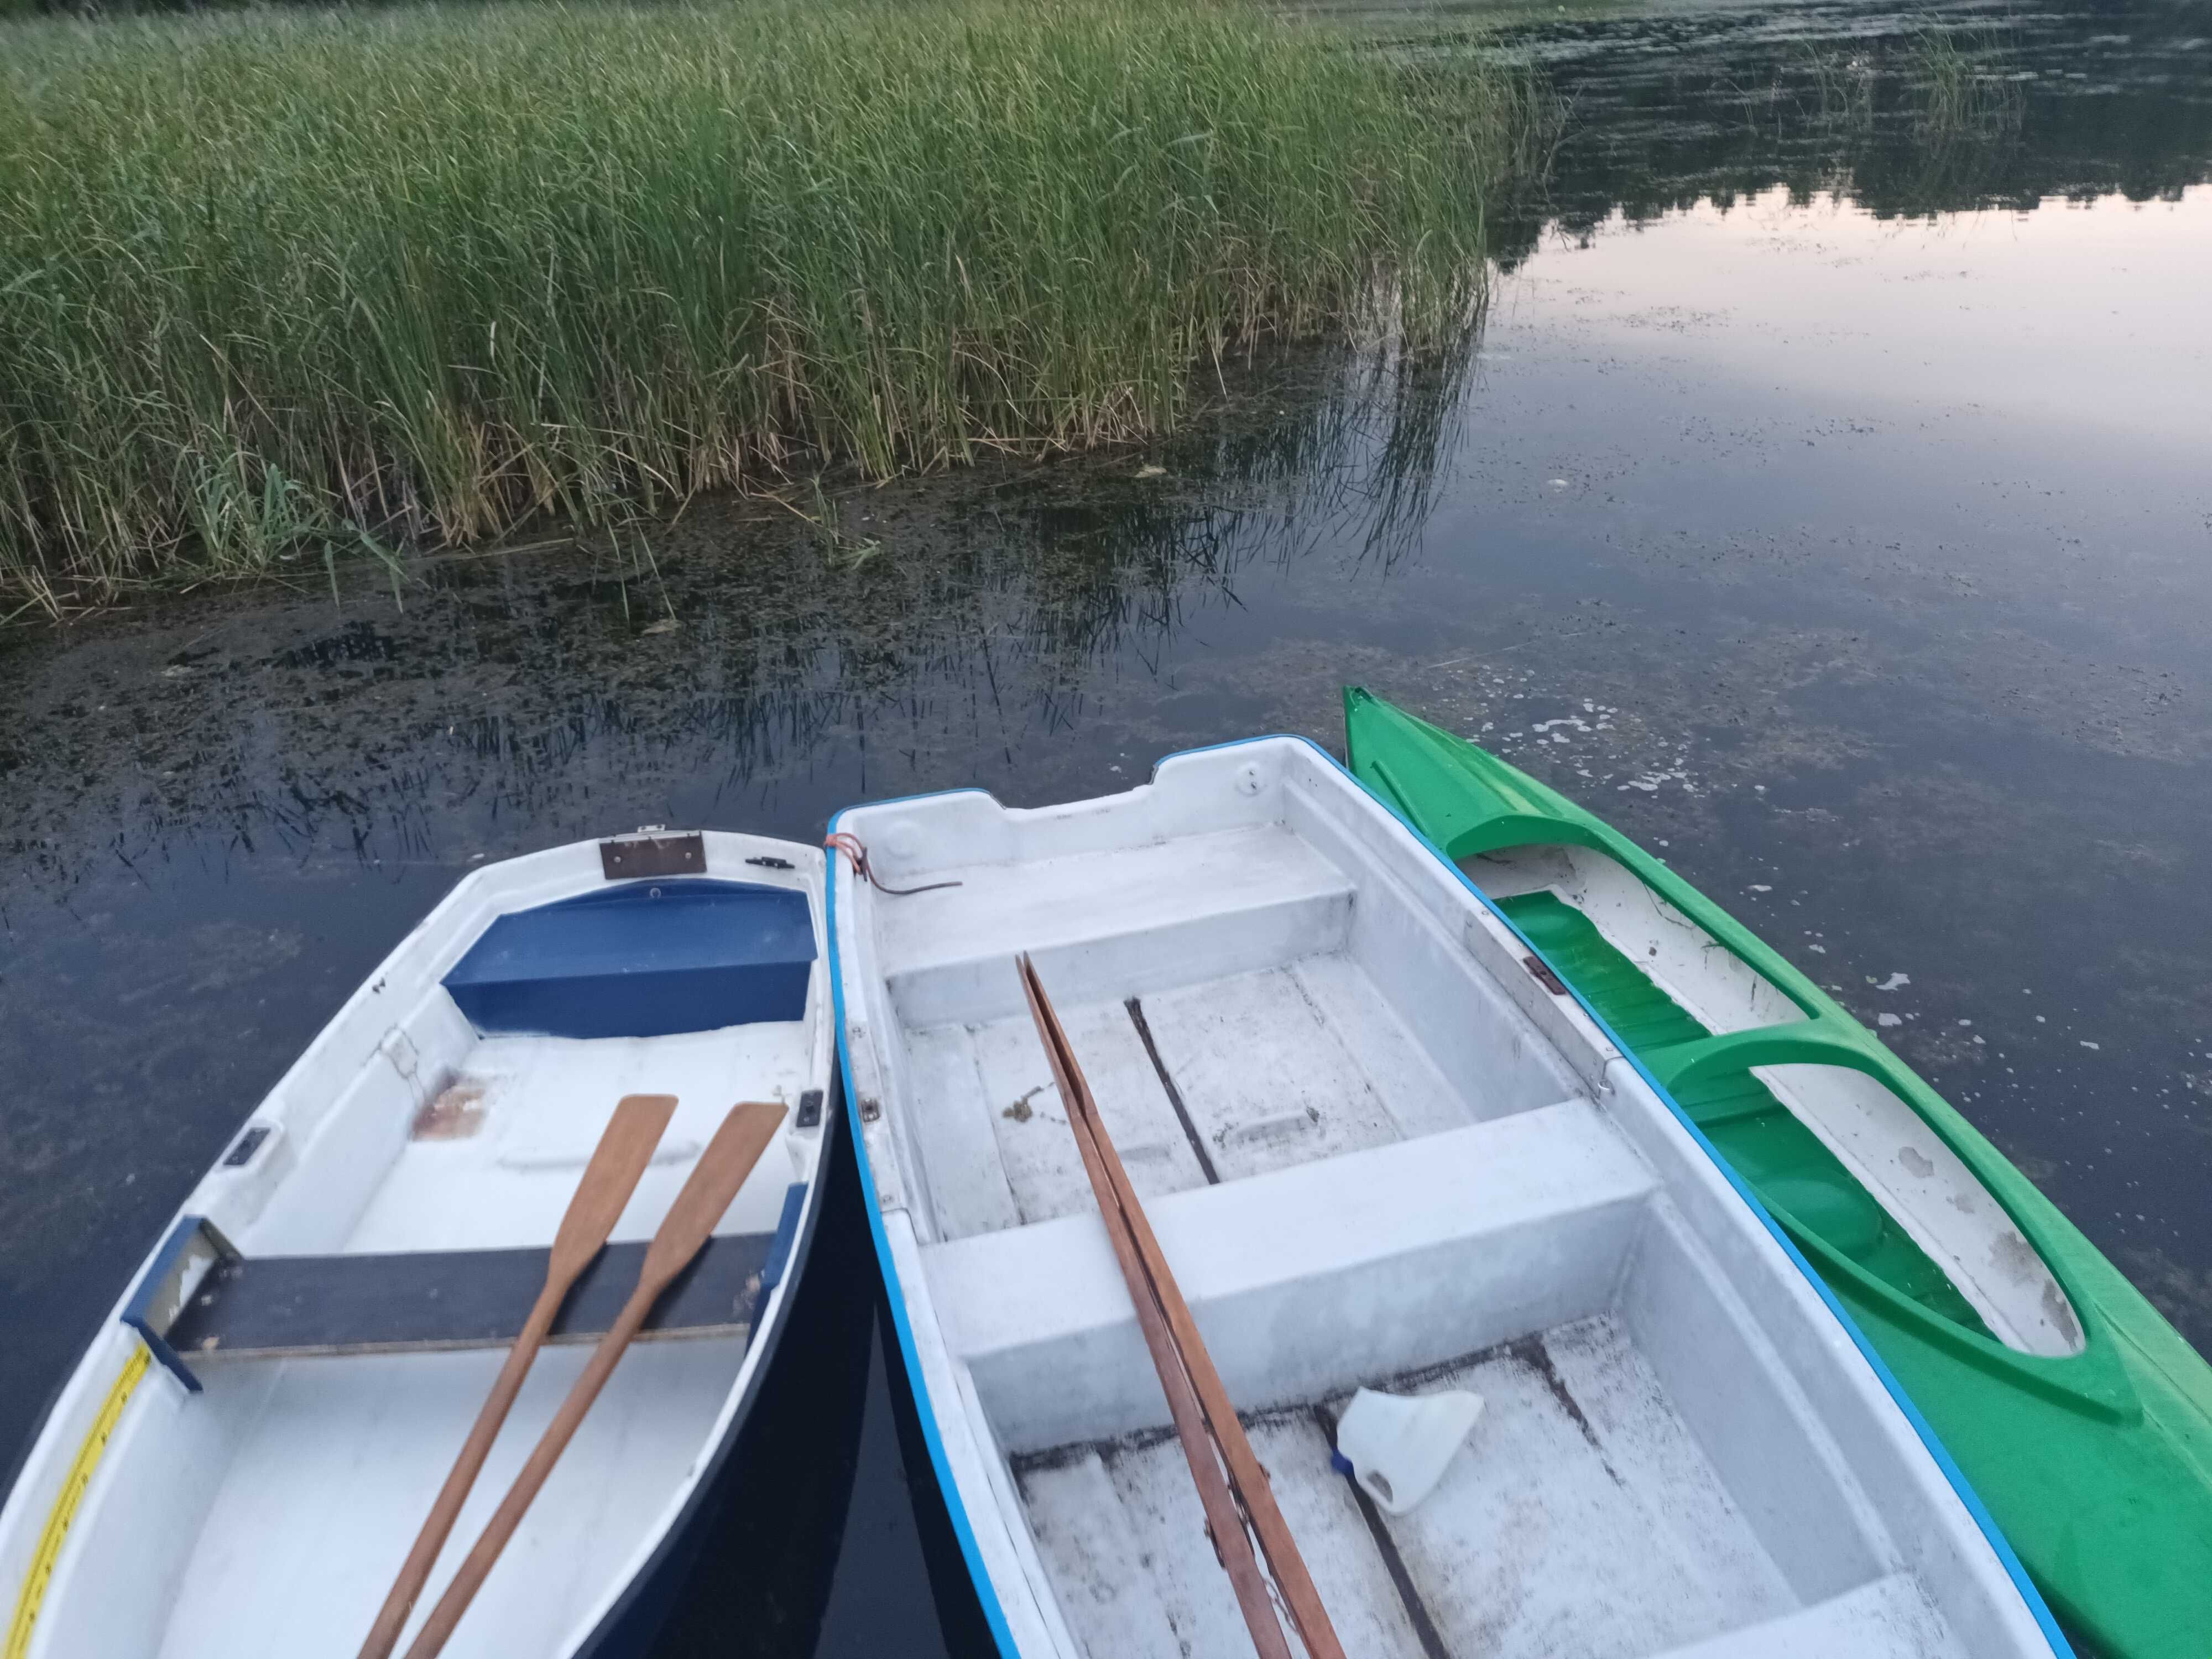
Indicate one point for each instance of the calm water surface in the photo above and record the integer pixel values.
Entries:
(1828, 502)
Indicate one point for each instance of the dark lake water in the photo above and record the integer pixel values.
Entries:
(1828, 502)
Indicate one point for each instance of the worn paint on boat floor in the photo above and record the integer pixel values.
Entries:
(1581, 1516)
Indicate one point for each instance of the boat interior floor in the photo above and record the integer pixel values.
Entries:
(490, 1156)
(1198, 1084)
(1302, 1055)
(323, 1469)
(1587, 1520)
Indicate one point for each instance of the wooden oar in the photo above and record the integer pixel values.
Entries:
(712, 1184)
(1224, 1524)
(1185, 1364)
(609, 1180)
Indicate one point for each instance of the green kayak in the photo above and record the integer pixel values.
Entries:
(2081, 1418)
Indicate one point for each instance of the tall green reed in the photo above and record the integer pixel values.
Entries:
(422, 273)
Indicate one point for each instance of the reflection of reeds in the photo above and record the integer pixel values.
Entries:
(1843, 85)
(1965, 115)
(1959, 91)
(1929, 108)
(417, 275)
(1956, 92)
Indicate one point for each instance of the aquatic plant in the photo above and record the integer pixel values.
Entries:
(1958, 91)
(419, 273)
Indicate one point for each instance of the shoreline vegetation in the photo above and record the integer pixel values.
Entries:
(282, 287)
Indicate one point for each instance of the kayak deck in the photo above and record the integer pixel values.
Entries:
(1376, 1152)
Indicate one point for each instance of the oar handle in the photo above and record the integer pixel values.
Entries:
(384, 1635)
(439, 1627)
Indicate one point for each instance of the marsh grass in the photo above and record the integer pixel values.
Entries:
(272, 282)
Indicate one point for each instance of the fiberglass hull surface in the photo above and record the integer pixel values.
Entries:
(2084, 1422)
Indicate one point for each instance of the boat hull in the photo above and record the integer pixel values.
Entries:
(244, 1453)
(671, 1574)
(1376, 1152)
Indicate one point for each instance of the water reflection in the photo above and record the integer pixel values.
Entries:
(1908, 111)
(511, 701)
(727, 651)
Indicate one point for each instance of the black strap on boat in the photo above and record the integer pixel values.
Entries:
(429, 1301)
(850, 846)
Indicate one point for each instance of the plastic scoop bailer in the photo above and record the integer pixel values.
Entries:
(1397, 1447)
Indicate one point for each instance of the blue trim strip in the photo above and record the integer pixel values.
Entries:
(985, 1592)
(1944, 1462)
(1936, 1448)
(787, 1229)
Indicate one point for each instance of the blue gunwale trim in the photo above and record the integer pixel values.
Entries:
(787, 1229)
(1944, 1462)
(985, 1592)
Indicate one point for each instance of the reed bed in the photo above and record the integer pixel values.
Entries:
(271, 283)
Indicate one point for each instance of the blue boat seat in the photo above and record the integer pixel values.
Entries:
(641, 959)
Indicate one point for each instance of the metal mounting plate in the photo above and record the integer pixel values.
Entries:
(650, 853)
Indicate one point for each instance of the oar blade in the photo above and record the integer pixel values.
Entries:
(617, 1163)
(708, 1192)
(610, 1179)
(712, 1186)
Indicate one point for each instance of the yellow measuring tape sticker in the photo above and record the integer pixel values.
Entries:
(65, 1503)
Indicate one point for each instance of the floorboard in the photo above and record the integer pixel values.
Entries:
(1582, 1518)
(1265, 1080)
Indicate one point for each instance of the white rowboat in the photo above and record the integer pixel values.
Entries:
(1378, 1151)
(246, 1452)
